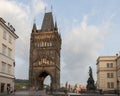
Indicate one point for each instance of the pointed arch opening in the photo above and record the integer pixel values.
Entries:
(45, 80)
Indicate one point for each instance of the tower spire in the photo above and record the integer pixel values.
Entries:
(48, 23)
(56, 25)
(34, 25)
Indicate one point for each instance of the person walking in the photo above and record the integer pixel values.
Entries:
(8, 89)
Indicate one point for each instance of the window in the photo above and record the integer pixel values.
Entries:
(3, 67)
(10, 39)
(110, 84)
(14, 64)
(45, 44)
(39, 44)
(9, 52)
(50, 44)
(118, 73)
(4, 35)
(9, 69)
(109, 65)
(110, 75)
(4, 49)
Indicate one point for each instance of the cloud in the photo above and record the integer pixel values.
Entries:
(19, 15)
(81, 47)
(38, 6)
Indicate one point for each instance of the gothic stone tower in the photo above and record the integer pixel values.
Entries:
(45, 45)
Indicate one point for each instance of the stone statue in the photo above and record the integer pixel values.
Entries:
(90, 81)
(90, 71)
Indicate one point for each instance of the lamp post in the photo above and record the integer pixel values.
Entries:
(118, 87)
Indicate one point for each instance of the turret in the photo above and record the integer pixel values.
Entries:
(34, 28)
(56, 28)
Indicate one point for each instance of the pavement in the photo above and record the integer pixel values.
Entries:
(43, 93)
(26, 93)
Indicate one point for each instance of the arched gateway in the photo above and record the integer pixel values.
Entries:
(45, 45)
(41, 78)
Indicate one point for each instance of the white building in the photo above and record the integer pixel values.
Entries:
(7, 55)
(108, 73)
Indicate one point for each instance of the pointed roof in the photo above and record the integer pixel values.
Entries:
(56, 25)
(48, 23)
(34, 26)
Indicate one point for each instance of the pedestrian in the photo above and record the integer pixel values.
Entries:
(11, 90)
(8, 89)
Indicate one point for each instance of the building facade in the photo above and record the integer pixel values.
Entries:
(108, 73)
(45, 46)
(7, 55)
(118, 73)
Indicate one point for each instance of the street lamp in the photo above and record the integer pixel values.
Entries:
(118, 87)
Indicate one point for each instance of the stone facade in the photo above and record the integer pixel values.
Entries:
(45, 45)
(108, 73)
(7, 55)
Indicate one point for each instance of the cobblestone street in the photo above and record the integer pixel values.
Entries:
(26, 93)
(43, 93)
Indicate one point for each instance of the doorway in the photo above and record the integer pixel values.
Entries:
(44, 80)
(2, 87)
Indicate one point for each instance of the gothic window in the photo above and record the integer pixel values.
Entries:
(35, 44)
(44, 61)
(40, 44)
(47, 44)
(40, 62)
(50, 43)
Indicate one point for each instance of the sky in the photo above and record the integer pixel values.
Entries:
(89, 29)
